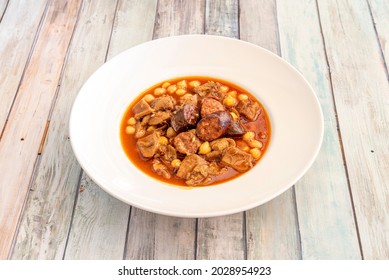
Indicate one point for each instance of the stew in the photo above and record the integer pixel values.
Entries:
(195, 131)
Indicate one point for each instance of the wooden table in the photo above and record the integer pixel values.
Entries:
(49, 208)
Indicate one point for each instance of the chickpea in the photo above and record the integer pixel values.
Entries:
(248, 136)
(234, 116)
(233, 93)
(194, 83)
(243, 97)
(159, 91)
(256, 153)
(229, 101)
(150, 128)
(180, 91)
(205, 148)
(165, 85)
(163, 140)
(176, 163)
(255, 144)
(182, 84)
(131, 121)
(224, 89)
(245, 148)
(130, 130)
(170, 132)
(148, 98)
(172, 89)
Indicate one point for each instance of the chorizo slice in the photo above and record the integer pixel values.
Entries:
(209, 106)
(213, 126)
(185, 117)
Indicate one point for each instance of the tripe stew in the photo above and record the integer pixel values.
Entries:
(195, 131)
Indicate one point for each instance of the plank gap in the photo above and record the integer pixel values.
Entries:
(43, 138)
(300, 247)
(37, 33)
(112, 28)
(378, 40)
(78, 186)
(338, 130)
(30, 189)
(127, 231)
(5, 9)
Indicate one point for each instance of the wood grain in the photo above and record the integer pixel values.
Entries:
(325, 213)
(361, 94)
(380, 13)
(27, 122)
(271, 229)
(18, 28)
(45, 225)
(153, 236)
(108, 213)
(221, 237)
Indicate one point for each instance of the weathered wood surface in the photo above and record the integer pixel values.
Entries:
(361, 96)
(271, 229)
(324, 206)
(23, 133)
(18, 28)
(45, 226)
(50, 209)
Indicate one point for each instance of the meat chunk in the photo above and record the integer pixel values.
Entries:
(249, 109)
(163, 103)
(235, 129)
(159, 117)
(141, 109)
(161, 169)
(237, 159)
(199, 176)
(187, 142)
(148, 145)
(185, 117)
(188, 164)
(202, 174)
(213, 126)
(167, 153)
(222, 144)
(209, 106)
(207, 88)
(189, 99)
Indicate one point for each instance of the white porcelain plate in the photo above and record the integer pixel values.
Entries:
(294, 111)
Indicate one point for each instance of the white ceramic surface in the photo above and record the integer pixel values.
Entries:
(294, 110)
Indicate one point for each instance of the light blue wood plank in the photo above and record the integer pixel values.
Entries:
(324, 207)
(361, 88)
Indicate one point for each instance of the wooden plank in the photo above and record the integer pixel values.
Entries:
(158, 237)
(153, 236)
(107, 223)
(99, 225)
(27, 122)
(380, 12)
(361, 91)
(18, 28)
(323, 201)
(271, 229)
(46, 221)
(221, 237)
